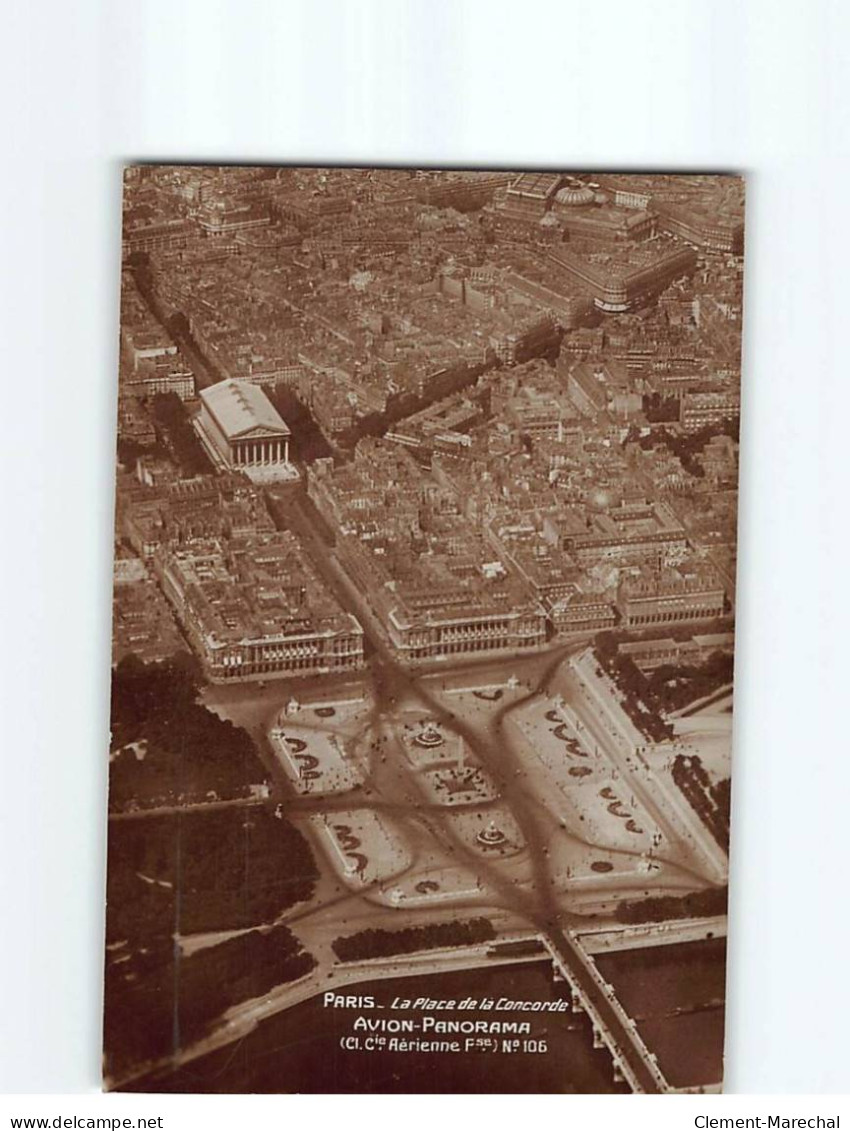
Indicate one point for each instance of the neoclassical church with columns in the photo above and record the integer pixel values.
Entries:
(243, 431)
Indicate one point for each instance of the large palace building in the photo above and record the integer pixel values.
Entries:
(428, 623)
(671, 596)
(254, 607)
(243, 431)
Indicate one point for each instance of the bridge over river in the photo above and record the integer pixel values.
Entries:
(612, 1026)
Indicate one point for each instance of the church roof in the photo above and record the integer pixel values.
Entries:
(240, 407)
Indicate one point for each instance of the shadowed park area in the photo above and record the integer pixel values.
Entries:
(196, 873)
(168, 749)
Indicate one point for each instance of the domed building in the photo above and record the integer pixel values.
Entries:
(587, 214)
(573, 196)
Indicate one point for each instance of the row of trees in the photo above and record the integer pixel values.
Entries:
(631, 683)
(669, 687)
(377, 943)
(215, 978)
(658, 909)
(176, 323)
(712, 803)
(672, 687)
(178, 437)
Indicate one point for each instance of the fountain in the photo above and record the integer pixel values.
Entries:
(492, 836)
(429, 736)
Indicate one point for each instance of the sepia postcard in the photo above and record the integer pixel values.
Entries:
(424, 609)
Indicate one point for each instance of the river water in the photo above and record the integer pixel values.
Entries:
(299, 1049)
(675, 994)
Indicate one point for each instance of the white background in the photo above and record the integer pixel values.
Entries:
(757, 87)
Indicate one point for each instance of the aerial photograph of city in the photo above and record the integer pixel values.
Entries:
(423, 630)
